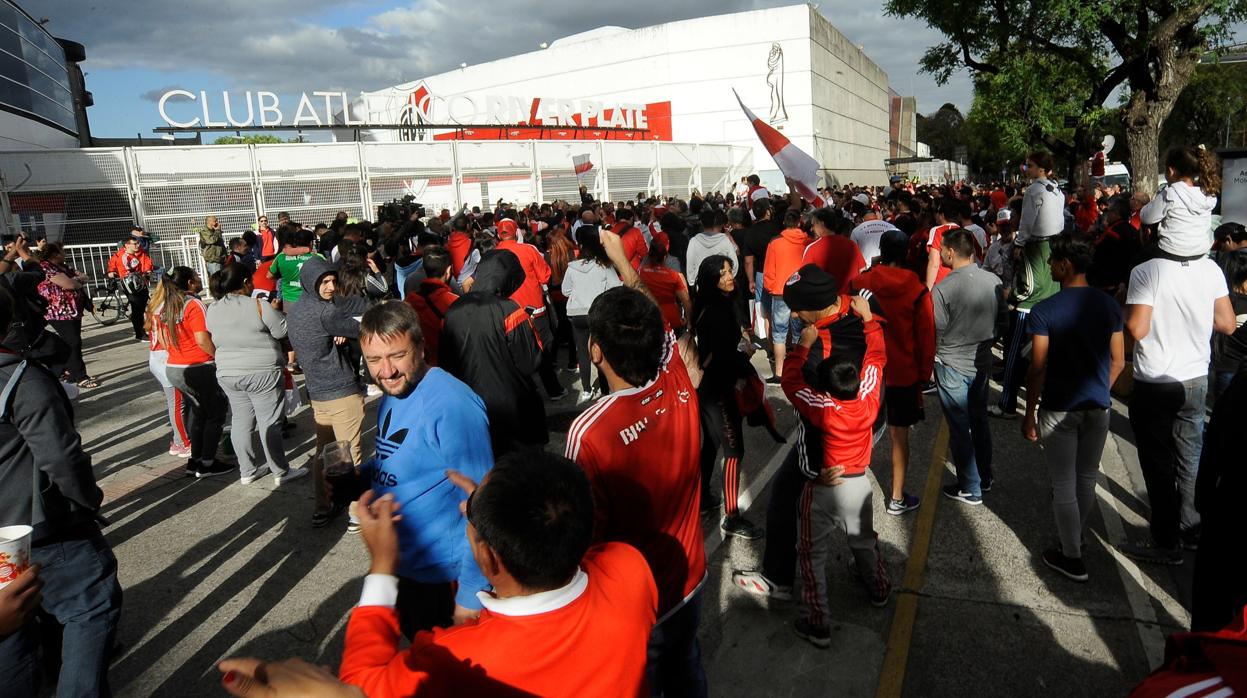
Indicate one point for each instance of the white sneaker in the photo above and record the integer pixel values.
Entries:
(585, 396)
(291, 474)
(248, 479)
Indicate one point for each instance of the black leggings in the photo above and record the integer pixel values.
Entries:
(71, 332)
(580, 333)
(206, 404)
(721, 427)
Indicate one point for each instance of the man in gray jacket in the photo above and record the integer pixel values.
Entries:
(965, 327)
(46, 481)
(318, 327)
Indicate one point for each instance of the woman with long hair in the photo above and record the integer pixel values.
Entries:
(666, 285)
(560, 251)
(722, 347)
(157, 363)
(247, 334)
(61, 288)
(586, 279)
(181, 322)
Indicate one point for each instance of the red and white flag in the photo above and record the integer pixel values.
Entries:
(795, 163)
(581, 163)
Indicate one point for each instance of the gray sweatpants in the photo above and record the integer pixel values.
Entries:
(1072, 444)
(256, 403)
(819, 511)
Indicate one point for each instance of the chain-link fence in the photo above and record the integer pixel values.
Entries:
(92, 196)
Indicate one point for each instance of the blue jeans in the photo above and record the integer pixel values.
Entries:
(81, 591)
(674, 655)
(964, 399)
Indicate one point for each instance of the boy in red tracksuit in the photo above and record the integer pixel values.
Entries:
(910, 333)
(842, 408)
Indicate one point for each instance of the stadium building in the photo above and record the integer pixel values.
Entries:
(671, 82)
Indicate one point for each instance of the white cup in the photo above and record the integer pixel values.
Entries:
(14, 553)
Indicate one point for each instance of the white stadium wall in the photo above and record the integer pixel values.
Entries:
(670, 82)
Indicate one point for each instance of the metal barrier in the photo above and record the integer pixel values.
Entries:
(91, 196)
(92, 259)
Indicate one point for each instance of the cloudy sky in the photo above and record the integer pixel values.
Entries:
(138, 49)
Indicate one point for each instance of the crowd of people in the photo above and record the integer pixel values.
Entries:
(498, 567)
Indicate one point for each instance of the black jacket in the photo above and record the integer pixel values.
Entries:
(38, 439)
(489, 342)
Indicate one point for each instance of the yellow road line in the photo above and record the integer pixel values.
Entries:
(892, 677)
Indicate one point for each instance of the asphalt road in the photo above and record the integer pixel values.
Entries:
(213, 569)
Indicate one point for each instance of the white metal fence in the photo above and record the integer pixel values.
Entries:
(92, 196)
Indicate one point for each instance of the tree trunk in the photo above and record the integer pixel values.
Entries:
(1143, 136)
(1170, 67)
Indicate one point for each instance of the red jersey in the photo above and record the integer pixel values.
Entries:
(591, 643)
(183, 350)
(633, 243)
(536, 273)
(935, 241)
(844, 426)
(641, 450)
(459, 245)
(836, 255)
(431, 301)
(664, 283)
(268, 243)
(123, 263)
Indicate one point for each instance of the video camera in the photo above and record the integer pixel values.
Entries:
(399, 210)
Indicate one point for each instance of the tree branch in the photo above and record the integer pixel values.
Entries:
(973, 64)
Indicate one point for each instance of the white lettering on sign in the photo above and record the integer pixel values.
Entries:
(164, 99)
(321, 107)
(269, 109)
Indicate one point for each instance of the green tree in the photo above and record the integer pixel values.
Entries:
(943, 130)
(250, 139)
(1149, 48)
(1212, 109)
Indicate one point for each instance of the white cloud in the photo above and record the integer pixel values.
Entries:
(281, 45)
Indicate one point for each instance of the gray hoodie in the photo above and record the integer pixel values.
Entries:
(313, 323)
(1185, 216)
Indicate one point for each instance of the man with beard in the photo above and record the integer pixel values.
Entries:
(428, 422)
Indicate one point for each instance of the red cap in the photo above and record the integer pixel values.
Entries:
(507, 229)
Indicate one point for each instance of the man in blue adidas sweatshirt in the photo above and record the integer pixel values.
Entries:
(429, 422)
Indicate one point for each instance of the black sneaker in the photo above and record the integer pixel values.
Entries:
(1149, 551)
(986, 485)
(1071, 567)
(817, 635)
(709, 503)
(907, 502)
(321, 518)
(1189, 539)
(773, 380)
(740, 527)
(216, 467)
(192, 468)
(928, 387)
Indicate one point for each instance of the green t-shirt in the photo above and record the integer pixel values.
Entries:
(1034, 276)
(288, 269)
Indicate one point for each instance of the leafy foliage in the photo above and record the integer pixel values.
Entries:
(1037, 62)
(250, 139)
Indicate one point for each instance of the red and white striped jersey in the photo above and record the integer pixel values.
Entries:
(639, 448)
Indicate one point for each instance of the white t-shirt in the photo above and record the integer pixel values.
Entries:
(866, 236)
(1182, 295)
(979, 234)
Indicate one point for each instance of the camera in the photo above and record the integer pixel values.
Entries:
(399, 210)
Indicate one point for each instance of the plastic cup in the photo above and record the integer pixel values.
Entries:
(339, 468)
(14, 553)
